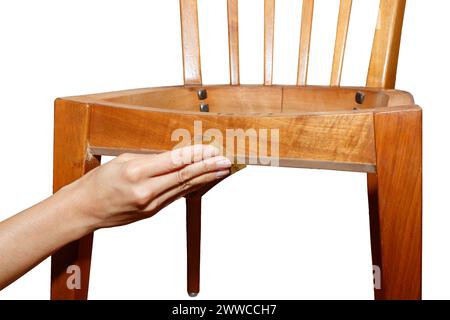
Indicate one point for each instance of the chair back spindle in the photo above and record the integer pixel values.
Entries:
(305, 41)
(269, 28)
(345, 9)
(190, 42)
(386, 44)
(233, 41)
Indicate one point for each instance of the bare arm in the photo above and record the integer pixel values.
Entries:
(127, 189)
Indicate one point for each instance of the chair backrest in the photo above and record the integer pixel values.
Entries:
(383, 60)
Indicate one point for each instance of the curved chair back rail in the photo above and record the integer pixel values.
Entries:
(383, 60)
(255, 99)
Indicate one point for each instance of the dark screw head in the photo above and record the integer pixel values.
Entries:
(359, 97)
(202, 94)
(204, 107)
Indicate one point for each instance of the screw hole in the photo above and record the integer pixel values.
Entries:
(204, 107)
(202, 94)
(359, 97)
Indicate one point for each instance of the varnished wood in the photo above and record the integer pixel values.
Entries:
(233, 40)
(326, 99)
(305, 41)
(245, 99)
(193, 232)
(269, 34)
(71, 161)
(190, 42)
(382, 74)
(341, 138)
(285, 162)
(174, 96)
(396, 194)
(249, 99)
(386, 44)
(192, 76)
(345, 9)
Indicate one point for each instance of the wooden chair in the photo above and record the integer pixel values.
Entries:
(373, 129)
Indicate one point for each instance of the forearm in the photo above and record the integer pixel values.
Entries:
(32, 235)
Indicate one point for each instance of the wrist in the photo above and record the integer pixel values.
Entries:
(75, 210)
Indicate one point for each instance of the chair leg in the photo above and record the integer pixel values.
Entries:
(193, 229)
(193, 232)
(71, 264)
(395, 205)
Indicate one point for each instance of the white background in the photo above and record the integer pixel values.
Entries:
(267, 232)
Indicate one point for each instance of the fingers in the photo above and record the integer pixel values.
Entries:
(183, 189)
(142, 166)
(185, 176)
(124, 157)
(191, 154)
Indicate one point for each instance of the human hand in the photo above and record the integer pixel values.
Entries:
(132, 187)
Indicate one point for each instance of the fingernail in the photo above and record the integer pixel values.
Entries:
(225, 163)
(222, 173)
